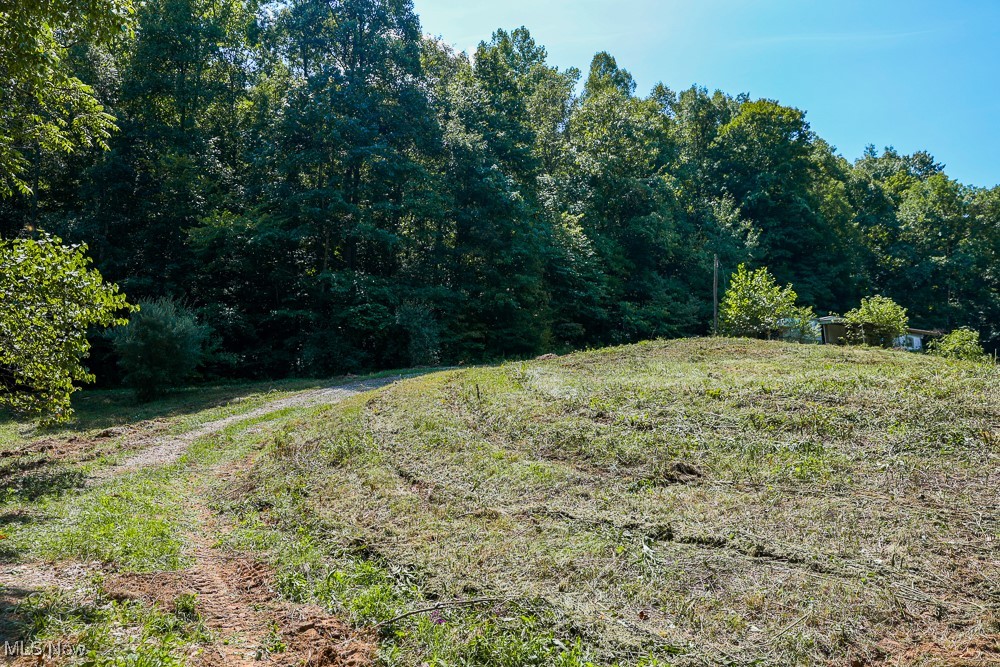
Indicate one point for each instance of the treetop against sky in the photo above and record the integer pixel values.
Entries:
(914, 74)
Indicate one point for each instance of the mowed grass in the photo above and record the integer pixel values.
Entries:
(688, 502)
(38, 463)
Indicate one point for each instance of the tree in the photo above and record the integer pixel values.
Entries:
(877, 321)
(627, 208)
(346, 193)
(331, 190)
(160, 347)
(755, 306)
(768, 159)
(43, 106)
(499, 228)
(180, 108)
(49, 298)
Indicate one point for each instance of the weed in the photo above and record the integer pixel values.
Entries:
(131, 523)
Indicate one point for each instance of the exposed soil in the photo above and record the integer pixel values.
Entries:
(981, 651)
(234, 595)
(250, 625)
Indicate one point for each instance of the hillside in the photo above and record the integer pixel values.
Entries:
(689, 502)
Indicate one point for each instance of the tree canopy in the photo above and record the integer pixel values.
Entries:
(44, 105)
(877, 321)
(756, 306)
(330, 190)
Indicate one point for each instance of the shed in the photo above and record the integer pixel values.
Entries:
(834, 332)
(833, 329)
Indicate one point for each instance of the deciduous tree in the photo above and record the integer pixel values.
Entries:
(49, 298)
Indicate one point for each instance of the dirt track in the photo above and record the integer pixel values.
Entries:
(166, 450)
(234, 596)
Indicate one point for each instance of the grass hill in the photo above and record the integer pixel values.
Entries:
(687, 502)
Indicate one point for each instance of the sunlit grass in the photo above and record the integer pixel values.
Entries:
(710, 498)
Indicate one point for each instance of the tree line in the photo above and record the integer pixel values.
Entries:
(330, 190)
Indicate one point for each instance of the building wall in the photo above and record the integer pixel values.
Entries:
(834, 334)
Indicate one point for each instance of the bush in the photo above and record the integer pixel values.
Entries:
(879, 321)
(959, 344)
(161, 347)
(755, 306)
(423, 334)
(799, 326)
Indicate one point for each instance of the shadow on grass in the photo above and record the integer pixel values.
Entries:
(8, 554)
(96, 409)
(12, 626)
(30, 488)
(107, 408)
(24, 610)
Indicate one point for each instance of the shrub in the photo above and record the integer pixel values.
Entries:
(877, 321)
(799, 326)
(423, 334)
(959, 344)
(755, 306)
(160, 347)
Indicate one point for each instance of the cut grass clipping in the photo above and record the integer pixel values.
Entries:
(666, 503)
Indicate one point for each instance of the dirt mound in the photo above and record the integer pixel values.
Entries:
(324, 640)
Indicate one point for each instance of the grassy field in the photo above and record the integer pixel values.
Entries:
(672, 503)
(37, 462)
(695, 501)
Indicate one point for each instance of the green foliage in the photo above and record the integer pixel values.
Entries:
(49, 298)
(877, 321)
(160, 347)
(755, 306)
(800, 326)
(959, 344)
(422, 332)
(303, 180)
(43, 106)
(132, 524)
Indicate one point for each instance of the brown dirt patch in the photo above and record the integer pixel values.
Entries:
(236, 600)
(975, 651)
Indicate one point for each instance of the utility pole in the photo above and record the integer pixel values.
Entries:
(715, 299)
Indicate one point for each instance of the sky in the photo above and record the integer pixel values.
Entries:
(913, 74)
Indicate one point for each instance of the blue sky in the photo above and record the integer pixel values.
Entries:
(912, 74)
